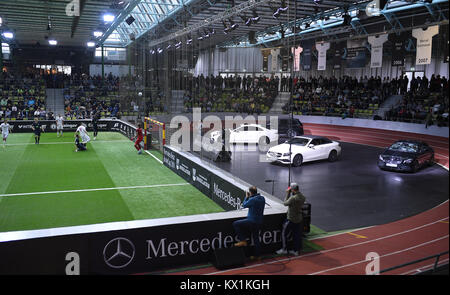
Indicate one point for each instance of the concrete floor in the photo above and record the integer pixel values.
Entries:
(350, 193)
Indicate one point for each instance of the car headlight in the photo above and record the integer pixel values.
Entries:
(380, 157)
(286, 154)
(408, 161)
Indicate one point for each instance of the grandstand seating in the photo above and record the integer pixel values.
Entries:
(22, 98)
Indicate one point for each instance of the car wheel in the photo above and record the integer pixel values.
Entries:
(297, 161)
(264, 140)
(333, 156)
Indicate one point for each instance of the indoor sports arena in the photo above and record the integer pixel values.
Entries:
(224, 137)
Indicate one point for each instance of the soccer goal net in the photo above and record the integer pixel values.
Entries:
(155, 134)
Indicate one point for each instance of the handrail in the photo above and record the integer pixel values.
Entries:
(437, 256)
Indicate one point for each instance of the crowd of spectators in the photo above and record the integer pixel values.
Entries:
(85, 95)
(346, 96)
(22, 96)
(231, 94)
(426, 101)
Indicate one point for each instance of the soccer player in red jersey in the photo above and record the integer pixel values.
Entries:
(139, 137)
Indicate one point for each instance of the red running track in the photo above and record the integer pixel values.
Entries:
(395, 243)
(379, 138)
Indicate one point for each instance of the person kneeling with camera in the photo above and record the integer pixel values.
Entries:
(248, 228)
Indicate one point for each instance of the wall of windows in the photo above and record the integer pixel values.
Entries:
(111, 53)
(55, 69)
(6, 51)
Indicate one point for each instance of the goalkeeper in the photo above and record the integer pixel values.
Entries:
(139, 137)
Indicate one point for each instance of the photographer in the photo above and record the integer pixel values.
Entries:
(248, 228)
(294, 220)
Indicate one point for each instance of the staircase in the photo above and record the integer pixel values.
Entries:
(280, 101)
(54, 101)
(391, 101)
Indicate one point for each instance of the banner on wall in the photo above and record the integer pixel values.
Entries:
(306, 55)
(274, 53)
(356, 53)
(424, 43)
(376, 53)
(322, 48)
(338, 52)
(265, 53)
(296, 51)
(399, 42)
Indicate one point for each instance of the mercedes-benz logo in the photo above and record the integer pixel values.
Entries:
(118, 253)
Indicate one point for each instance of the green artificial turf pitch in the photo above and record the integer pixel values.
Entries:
(54, 168)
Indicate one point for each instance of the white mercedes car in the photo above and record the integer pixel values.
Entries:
(304, 148)
(248, 133)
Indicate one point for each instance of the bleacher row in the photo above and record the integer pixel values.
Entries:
(303, 108)
(22, 98)
(79, 102)
(230, 100)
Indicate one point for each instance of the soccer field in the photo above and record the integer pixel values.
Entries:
(50, 185)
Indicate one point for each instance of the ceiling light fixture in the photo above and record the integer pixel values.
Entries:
(108, 17)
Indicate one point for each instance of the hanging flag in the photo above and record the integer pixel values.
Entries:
(265, 53)
(424, 42)
(306, 55)
(399, 42)
(296, 51)
(338, 52)
(376, 57)
(284, 59)
(322, 48)
(444, 35)
(274, 52)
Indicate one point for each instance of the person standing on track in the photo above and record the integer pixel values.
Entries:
(37, 129)
(6, 129)
(294, 220)
(139, 137)
(59, 125)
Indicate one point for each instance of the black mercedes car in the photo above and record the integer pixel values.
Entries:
(406, 155)
(287, 128)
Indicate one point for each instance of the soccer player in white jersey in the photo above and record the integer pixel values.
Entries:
(6, 128)
(59, 125)
(81, 130)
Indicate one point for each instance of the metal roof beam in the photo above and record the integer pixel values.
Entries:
(119, 19)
